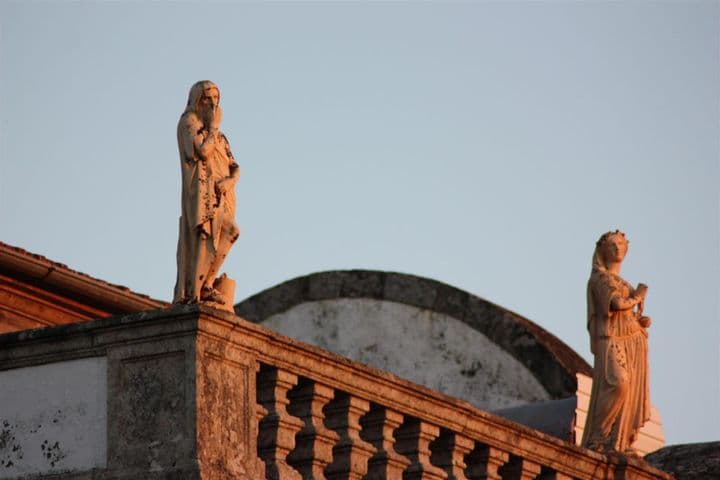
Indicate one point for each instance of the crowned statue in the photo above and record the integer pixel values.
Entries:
(620, 396)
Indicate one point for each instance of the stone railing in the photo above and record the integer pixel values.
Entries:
(254, 404)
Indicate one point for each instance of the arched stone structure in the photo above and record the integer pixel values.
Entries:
(423, 330)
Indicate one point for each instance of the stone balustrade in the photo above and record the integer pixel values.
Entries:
(260, 405)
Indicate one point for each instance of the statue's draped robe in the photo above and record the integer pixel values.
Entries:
(203, 210)
(620, 399)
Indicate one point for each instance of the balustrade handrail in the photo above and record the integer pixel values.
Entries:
(263, 346)
(391, 391)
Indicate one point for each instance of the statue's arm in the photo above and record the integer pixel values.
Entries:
(210, 136)
(231, 180)
(626, 303)
(619, 303)
(611, 290)
(234, 168)
(191, 137)
(228, 182)
(637, 297)
(206, 142)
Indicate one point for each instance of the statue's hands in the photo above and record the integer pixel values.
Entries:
(639, 296)
(221, 187)
(215, 119)
(641, 292)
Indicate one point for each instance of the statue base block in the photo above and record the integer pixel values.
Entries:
(226, 289)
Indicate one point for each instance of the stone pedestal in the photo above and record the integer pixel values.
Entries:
(226, 286)
(177, 402)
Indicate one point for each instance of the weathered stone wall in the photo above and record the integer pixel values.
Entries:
(690, 461)
(53, 418)
(145, 391)
(425, 347)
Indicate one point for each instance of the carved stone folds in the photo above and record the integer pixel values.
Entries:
(315, 441)
(378, 427)
(351, 453)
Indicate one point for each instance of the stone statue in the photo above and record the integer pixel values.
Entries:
(207, 221)
(620, 397)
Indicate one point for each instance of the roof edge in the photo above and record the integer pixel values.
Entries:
(58, 278)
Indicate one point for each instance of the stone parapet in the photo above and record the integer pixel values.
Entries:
(195, 393)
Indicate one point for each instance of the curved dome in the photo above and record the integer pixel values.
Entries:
(423, 330)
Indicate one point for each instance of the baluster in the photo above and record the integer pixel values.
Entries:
(520, 469)
(484, 462)
(413, 440)
(351, 453)
(276, 437)
(449, 451)
(315, 441)
(260, 413)
(377, 428)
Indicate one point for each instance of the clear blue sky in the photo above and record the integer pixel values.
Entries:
(486, 145)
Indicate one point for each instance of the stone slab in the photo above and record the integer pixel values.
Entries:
(53, 418)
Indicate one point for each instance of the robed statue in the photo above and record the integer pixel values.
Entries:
(620, 398)
(207, 220)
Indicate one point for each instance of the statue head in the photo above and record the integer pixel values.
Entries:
(610, 248)
(204, 100)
